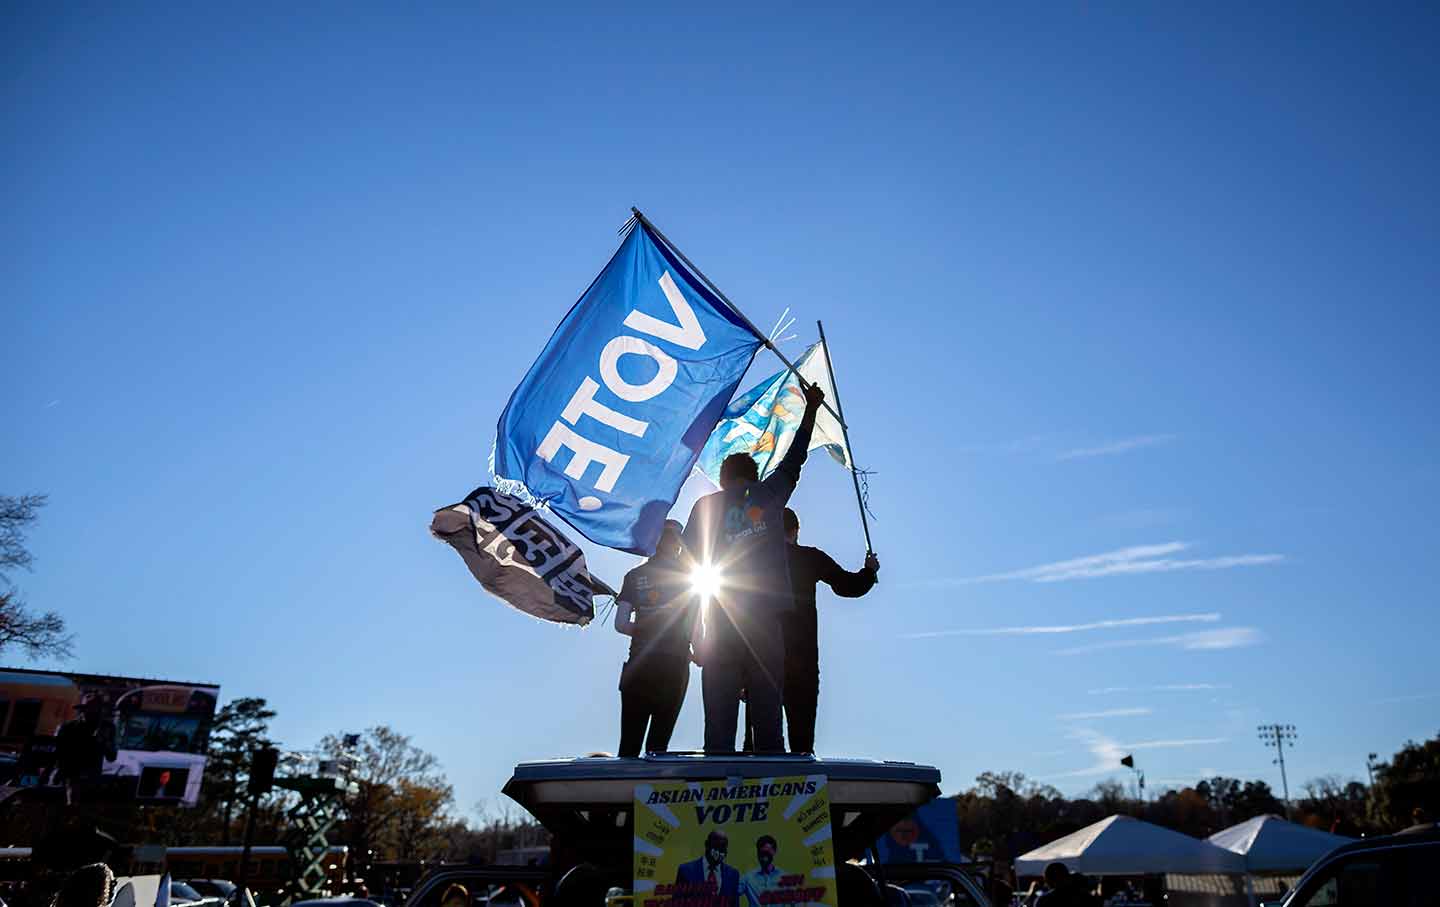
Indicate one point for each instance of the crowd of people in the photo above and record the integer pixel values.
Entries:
(757, 640)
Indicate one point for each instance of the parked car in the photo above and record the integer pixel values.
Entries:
(1394, 869)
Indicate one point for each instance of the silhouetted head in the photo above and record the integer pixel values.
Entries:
(737, 470)
(456, 895)
(671, 540)
(88, 886)
(1056, 874)
(792, 526)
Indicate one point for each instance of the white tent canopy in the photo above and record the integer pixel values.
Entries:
(1121, 845)
(1270, 844)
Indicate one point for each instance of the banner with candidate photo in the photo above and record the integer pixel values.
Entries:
(734, 843)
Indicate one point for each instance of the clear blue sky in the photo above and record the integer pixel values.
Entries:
(1153, 284)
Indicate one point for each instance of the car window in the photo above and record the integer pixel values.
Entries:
(1412, 884)
(1349, 883)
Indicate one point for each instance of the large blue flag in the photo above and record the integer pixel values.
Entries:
(609, 420)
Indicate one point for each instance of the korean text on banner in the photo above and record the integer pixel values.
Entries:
(518, 557)
(762, 421)
(610, 419)
(735, 843)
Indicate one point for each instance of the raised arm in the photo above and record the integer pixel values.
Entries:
(786, 476)
(845, 583)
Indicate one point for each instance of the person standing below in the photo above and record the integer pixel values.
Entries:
(1064, 888)
(809, 566)
(658, 611)
(82, 747)
(737, 533)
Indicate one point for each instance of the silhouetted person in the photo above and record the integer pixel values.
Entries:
(659, 612)
(738, 531)
(1065, 889)
(809, 566)
(91, 885)
(82, 745)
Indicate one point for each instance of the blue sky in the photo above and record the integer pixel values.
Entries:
(1132, 308)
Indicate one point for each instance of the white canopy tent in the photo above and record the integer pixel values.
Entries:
(1270, 844)
(1121, 845)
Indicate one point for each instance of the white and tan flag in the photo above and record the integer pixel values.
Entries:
(762, 421)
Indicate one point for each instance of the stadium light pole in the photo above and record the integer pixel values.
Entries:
(1279, 736)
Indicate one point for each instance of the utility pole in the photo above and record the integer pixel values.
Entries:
(1279, 736)
(260, 781)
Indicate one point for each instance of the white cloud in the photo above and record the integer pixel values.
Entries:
(1107, 752)
(1108, 713)
(1132, 560)
(1124, 445)
(1414, 697)
(1161, 688)
(1172, 744)
(1210, 617)
(1223, 638)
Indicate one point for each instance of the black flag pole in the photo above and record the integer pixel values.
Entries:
(845, 433)
(834, 411)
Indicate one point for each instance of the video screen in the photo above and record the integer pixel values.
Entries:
(91, 736)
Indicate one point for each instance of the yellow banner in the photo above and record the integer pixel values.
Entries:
(738, 843)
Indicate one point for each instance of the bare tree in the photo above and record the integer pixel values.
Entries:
(401, 794)
(39, 635)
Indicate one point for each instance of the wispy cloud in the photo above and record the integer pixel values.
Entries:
(52, 403)
(1108, 713)
(1413, 697)
(1173, 744)
(1223, 638)
(1161, 688)
(1132, 560)
(1107, 752)
(1210, 617)
(1124, 445)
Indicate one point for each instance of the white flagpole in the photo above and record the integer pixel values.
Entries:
(748, 323)
(845, 433)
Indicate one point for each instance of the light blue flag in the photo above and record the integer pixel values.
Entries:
(610, 419)
(762, 421)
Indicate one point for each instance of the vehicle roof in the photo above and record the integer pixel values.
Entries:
(1415, 834)
(587, 801)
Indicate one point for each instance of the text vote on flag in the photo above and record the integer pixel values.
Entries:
(610, 419)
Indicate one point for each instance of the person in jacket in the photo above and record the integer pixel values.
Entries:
(658, 611)
(808, 568)
(710, 874)
(738, 533)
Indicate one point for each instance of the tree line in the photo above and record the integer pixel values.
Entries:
(402, 808)
(1005, 814)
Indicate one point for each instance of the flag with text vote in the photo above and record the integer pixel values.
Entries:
(611, 418)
